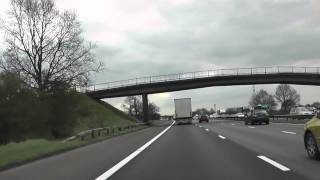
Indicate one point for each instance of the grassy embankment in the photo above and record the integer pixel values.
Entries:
(93, 115)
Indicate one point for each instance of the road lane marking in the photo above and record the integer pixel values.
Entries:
(200, 126)
(251, 127)
(207, 129)
(232, 124)
(288, 132)
(274, 163)
(222, 137)
(116, 167)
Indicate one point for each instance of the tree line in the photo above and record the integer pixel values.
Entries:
(203, 111)
(285, 94)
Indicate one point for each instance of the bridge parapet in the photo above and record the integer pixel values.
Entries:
(203, 74)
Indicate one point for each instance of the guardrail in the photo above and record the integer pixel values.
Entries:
(287, 117)
(105, 131)
(203, 74)
(273, 117)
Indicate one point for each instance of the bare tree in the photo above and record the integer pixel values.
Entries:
(263, 98)
(133, 106)
(44, 46)
(287, 96)
(153, 111)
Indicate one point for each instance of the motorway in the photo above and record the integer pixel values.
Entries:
(221, 149)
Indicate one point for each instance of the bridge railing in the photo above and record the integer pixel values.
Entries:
(204, 74)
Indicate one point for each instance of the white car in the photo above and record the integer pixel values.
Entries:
(301, 111)
(240, 115)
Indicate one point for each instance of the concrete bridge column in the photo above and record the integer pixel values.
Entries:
(145, 107)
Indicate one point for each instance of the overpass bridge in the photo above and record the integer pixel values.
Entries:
(200, 79)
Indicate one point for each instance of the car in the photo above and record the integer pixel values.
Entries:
(257, 116)
(240, 115)
(301, 110)
(312, 137)
(203, 119)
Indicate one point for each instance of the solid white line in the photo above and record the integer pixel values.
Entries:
(207, 129)
(288, 132)
(222, 137)
(116, 167)
(251, 127)
(274, 163)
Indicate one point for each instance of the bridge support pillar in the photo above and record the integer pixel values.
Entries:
(145, 106)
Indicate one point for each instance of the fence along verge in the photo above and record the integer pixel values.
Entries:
(105, 131)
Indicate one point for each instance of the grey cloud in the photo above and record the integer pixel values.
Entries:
(223, 33)
(226, 33)
(256, 33)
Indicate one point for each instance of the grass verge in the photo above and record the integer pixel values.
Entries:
(15, 154)
(94, 114)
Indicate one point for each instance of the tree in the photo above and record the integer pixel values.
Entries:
(212, 111)
(316, 105)
(19, 120)
(27, 114)
(44, 45)
(231, 110)
(287, 96)
(133, 106)
(153, 111)
(201, 111)
(263, 98)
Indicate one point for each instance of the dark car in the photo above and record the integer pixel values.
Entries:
(203, 119)
(258, 116)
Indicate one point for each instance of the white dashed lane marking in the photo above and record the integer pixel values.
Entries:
(274, 163)
(288, 132)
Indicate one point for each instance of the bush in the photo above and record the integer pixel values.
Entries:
(18, 109)
(26, 113)
(62, 113)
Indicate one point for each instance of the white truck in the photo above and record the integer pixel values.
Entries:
(183, 111)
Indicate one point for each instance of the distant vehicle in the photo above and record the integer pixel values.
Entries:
(215, 115)
(312, 109)
(301, 110)
(183, 111)
(312, 137)
(257, 115)
(203, 118)
(211, 116)
(239, 115)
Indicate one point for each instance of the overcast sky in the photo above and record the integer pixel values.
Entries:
(153, 37)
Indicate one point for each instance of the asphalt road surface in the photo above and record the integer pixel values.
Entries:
(217, 150)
